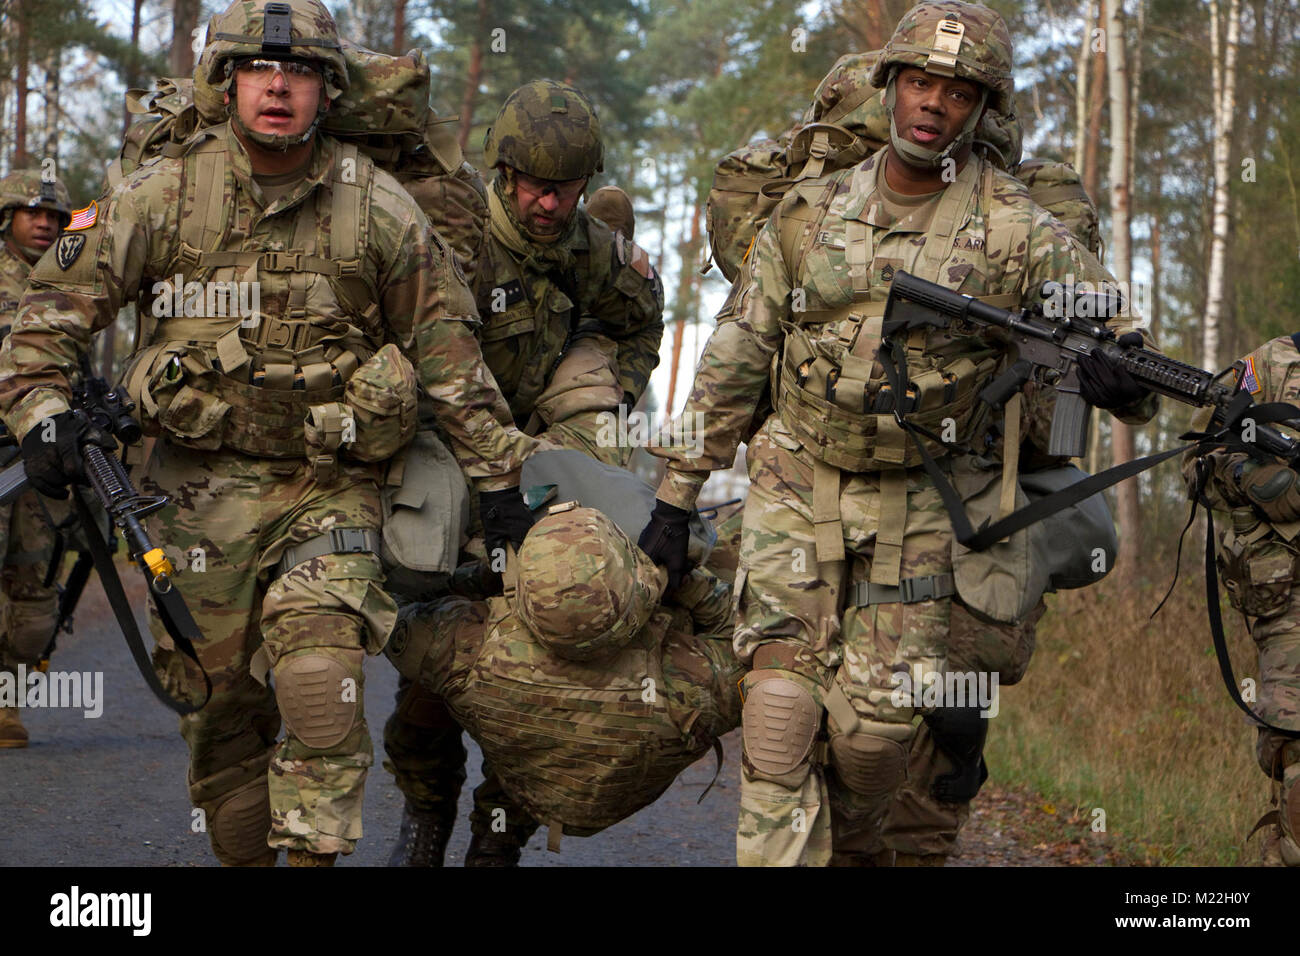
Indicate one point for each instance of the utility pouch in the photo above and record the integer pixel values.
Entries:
(1258, 568)
(382, 396)
(426, 516)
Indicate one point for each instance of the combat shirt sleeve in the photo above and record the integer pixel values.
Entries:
(732, 373)
(431, 312)
(631, 313)
(77, 288)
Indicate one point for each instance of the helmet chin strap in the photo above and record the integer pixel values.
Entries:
(917, 155)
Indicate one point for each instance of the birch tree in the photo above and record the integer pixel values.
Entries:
(1121, 252)
(1223, 102)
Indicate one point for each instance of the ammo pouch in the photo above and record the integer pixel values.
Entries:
(1258, 567)
(585, 380)
(843, 412)
(1005, 581)
(382, 396)
(181, 394)
(426, 511)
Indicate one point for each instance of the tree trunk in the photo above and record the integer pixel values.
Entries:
(1081, 89)
(1091, 172)
(135, 47)
(1121, 256)
(20, 84)
(473, 76)
(1224, 100)
(1135, 92)
(399, 28)
(685, 303)
(185, 20)
(53, 62)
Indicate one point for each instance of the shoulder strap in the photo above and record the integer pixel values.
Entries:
(349, 232)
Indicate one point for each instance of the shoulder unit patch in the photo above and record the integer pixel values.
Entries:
(68, 249)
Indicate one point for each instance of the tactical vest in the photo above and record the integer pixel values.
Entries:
(829, 386)
(249, 384)
(582, 746)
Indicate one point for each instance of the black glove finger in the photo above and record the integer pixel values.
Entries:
(1131, 340)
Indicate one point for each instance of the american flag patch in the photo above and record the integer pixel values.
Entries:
(1248, 380)
(84, 218)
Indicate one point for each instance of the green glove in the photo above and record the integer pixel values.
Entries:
(1273, 490)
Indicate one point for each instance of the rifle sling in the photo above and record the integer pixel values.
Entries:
(126, 617)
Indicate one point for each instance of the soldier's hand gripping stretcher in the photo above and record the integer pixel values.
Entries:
(79, 447)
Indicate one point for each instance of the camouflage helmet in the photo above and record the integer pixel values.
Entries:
(582, 587)
(296, 29)
(25, 189)
(951, 38)
(613, 207)
(547, 130)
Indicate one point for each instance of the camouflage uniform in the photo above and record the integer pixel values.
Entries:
(578, 664)
(571, 330)
(268, 512)
(1257, 556)
(840, 525)
(26, 535)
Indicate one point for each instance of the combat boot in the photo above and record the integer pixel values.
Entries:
(308, 858)
(494, 849)
(422, 839)
(12, 732)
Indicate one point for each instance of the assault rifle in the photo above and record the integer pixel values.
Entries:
(1048, 351)
(110, 410)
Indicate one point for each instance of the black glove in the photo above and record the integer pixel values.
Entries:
(506, 519)
(1105, 383)
(53, 465)
(664, 541)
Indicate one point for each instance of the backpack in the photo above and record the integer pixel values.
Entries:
(845, 123)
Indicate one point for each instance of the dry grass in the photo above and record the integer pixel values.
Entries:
(1131, 715)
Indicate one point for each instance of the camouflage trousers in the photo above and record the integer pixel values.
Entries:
(28, 610)
(229, 523)
(427, 758)
(794, 616)
(1277, 640)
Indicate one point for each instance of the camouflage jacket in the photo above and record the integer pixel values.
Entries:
(636, 719)
(594, 280)
(14, 270)
(1271, 373)
(799, 276)
(418, 299)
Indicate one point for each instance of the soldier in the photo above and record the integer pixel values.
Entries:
(1257, 554)
(32, 214)
(846, 575)
(274, 424)
(579, 664)
(572, 321)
